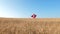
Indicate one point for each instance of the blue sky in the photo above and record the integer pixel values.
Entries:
(42, 8)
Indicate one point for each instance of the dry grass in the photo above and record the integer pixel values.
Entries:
(29, 26)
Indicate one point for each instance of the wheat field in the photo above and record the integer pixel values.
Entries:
(29, 26)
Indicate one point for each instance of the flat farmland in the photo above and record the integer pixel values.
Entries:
(29, 26)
